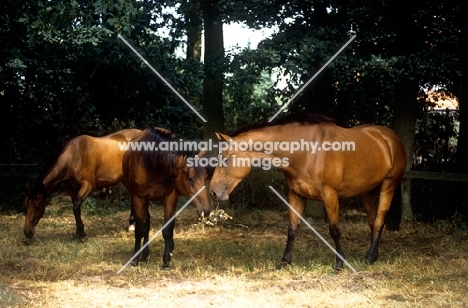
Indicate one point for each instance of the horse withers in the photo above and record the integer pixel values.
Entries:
(331, 162)
(156, 174)
(85, 163)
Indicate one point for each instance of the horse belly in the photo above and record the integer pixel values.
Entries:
(347, 176)
(109, 169)
(360, 181)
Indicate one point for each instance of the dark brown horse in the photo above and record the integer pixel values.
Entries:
(160, 175)
(86, 163)
(331, 162)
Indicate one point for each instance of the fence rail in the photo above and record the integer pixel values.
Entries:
(425, 175)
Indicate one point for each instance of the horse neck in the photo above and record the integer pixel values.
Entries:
(263, 135)
(278, 134)
(53, 176)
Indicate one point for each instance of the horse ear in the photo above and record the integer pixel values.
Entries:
(222, 137)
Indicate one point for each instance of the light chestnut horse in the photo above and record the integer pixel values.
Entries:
(85, 163)
(160, 175)
(366, 161)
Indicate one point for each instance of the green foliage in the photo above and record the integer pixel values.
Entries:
(107, 201)
(253, 192)
(435, 147)
(439, 200)
(65, 72)
(71, 75)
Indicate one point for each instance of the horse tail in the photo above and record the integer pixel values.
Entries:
(394, 214)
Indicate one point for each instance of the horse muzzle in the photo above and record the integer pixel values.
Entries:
(216, 196)
(29, 233)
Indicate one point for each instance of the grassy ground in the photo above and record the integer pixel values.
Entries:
(228, 265)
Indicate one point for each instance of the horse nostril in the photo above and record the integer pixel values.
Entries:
(214, 195)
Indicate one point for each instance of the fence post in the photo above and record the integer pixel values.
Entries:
(407, 212)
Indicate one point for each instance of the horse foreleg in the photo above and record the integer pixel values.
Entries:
(298, 203)
(385, 198)
(169, 203)
(142, 225)
(332, 208)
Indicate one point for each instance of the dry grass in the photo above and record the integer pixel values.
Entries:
(230, 265)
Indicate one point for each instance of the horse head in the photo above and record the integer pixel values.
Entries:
(189, 181)
(34, 206)
(229, 172)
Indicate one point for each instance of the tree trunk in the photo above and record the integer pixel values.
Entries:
(193, 16)
(214, 64)
(462, 143)
(405, 114)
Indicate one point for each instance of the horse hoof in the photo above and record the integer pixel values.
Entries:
(370, 259)
(338, 270)
(166, 267)
(131, 228)
(81, 237)
(282, 265)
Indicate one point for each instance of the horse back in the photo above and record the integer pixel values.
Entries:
(124, 134)
(96, 160)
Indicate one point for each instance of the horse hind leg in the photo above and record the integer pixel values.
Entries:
(378, 213)
(369, 203)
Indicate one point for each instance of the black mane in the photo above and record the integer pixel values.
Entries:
(312, 118)
(168, 159)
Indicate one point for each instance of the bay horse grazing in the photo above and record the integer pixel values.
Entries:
(333, 162)
(157, 174)
(85, 163)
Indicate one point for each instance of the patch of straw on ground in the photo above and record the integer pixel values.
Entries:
(230, 264)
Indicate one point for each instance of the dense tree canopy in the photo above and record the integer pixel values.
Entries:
(64, 71)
